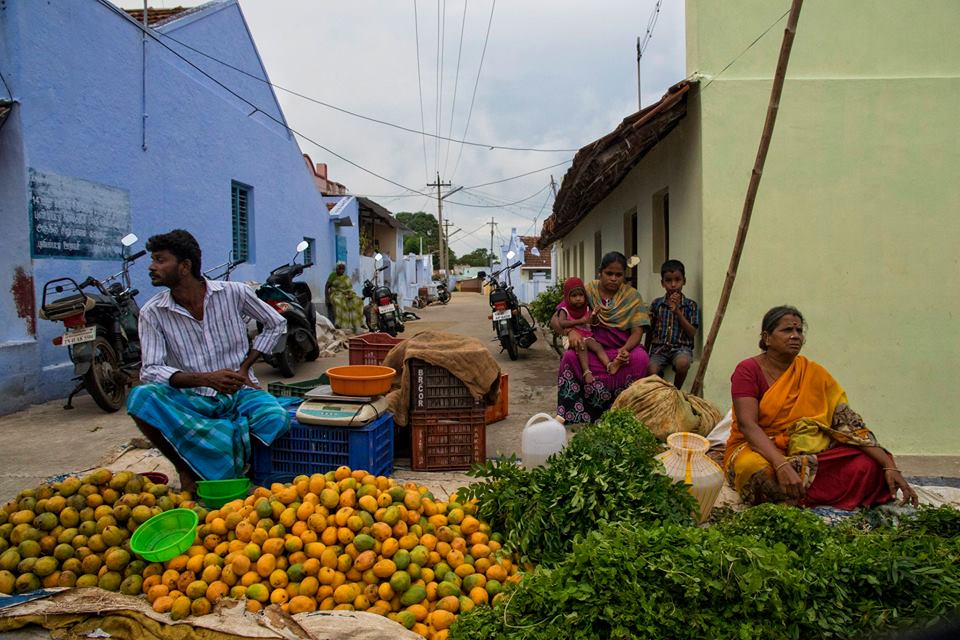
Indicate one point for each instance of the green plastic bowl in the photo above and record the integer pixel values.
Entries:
(216, 493)
(165, 535)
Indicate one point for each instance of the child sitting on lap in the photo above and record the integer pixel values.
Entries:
(675, 319)
(574, 313)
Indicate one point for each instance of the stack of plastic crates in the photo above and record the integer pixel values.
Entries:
(371, 348)
(447, 424)
(307, 449)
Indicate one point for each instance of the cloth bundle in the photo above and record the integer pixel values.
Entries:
(665, 409)
(468, 359)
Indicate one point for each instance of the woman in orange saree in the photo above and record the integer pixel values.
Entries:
(794, 437)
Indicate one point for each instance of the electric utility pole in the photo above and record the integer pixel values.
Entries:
(492, 223)
(446, 239)
(440, 231)
(639, 91)
(443, 253)
(553, 185)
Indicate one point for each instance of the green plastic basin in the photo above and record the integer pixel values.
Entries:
(165, 535)
(216, 493)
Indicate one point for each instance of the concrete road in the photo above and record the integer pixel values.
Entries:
(45, 440)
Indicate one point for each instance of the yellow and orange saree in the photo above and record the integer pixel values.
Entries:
(804, 412)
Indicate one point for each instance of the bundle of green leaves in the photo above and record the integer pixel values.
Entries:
(772, 572)
(545, 304)
(606, 472)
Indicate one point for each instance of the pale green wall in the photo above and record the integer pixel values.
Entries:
(856, 221)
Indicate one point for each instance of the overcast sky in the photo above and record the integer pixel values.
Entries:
(556, 74)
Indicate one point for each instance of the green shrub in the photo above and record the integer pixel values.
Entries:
(544, 305)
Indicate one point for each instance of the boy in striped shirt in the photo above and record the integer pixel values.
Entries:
(675, 319)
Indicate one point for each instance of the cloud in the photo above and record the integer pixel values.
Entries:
(556, 74)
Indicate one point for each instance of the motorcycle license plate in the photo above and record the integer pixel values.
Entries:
(387, 308)
(501, 315)
(87, 334)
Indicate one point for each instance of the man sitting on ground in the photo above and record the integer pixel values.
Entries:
(201, 402)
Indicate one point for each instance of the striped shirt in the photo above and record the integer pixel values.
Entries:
(172, 340)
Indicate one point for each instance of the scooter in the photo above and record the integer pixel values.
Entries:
(383, 313)
(294, 301)
(512, 328)
(101, 330)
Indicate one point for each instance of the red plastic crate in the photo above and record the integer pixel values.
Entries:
(371, 348)
(433, 388)
(499, 411)
(452, 439)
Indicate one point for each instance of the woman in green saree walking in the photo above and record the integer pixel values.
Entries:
(342, 300)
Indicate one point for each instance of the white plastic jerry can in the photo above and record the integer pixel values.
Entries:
(542, 437)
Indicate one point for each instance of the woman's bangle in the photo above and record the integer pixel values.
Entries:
(781, 466)
(892, 469)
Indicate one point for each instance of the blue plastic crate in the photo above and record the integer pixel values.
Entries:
(308, 449)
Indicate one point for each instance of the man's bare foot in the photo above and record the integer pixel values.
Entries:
(613, 367)
(588, 377)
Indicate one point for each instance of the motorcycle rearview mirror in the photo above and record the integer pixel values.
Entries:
(510, 255)
(378, 257)
(633, 261)
(301, 247)
(129, 239)
(481, 274)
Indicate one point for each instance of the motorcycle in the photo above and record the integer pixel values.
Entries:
(512, 328)
(383, 313)
(424, 299)
(294, 301)
(101, 330)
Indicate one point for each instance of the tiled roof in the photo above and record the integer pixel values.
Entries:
(531, 261)
(599, 167)
(156, 17)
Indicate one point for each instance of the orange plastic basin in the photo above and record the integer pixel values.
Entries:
(360, 379)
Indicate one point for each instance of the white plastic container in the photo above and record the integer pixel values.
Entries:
(542, 437)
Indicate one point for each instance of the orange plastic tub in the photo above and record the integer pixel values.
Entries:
(360, 379)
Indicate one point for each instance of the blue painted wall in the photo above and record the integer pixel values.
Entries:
(348, 208)
(74, 69)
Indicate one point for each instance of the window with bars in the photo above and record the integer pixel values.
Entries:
(308, 252)
(240, 203)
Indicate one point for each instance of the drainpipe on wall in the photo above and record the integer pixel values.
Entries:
(143, 79)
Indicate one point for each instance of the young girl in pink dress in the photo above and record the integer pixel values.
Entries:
(574, 312)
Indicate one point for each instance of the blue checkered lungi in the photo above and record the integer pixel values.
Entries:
(211, 433)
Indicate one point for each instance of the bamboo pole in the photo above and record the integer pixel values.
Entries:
(772, 109)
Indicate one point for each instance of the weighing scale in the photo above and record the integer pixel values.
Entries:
(322, 406)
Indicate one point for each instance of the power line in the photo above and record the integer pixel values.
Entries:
(524, 209)
(485, 184)
(473, 99)
(441, 27)
(537, 217)
(255, 108)
(750, 46)
(528, 173)
(6, 86)
(385, 123)
(456, 84)
(651, 23)
(500, 206)
(416, 33)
